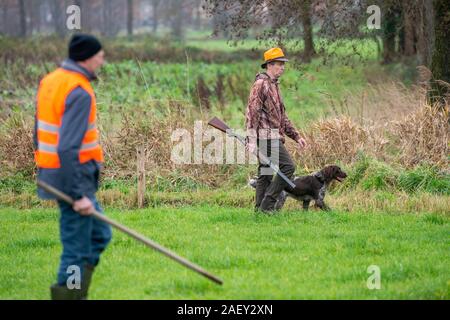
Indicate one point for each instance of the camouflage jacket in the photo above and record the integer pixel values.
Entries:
(266, 115)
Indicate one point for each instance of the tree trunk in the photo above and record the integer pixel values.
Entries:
(440, 64)
(389, 33)
(107, 18)
(409, 22)
(85, 12)
(177, 20)
(85, 7)
(23, 19)
(307, 31)
(5, 28)
(426, 33)
(57, 18)
(36, 16)
(104, 17)
(155, 4)
(197, 21)
(130, 18)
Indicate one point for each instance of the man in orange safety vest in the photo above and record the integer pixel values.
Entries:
(68, 156)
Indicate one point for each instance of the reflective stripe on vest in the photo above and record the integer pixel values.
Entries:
(44, 126)
(53, 92)
(46, 147)
(53, 148)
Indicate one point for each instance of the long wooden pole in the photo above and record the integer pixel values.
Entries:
(146, 241)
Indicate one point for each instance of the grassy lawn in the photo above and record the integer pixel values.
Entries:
(149, 86)
(293, 255)
(393, 217)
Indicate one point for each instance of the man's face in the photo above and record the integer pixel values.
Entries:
(95, 62)
(276, 68)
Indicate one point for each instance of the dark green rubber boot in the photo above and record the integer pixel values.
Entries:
(58, 292)
(86, 281)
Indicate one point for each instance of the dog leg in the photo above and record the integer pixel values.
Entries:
(321, 204)
(319, 200)
(281, 200)
(306, 204)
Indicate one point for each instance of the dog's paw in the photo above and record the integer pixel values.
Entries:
(252, 182)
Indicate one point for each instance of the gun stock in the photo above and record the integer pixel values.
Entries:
(218, 124)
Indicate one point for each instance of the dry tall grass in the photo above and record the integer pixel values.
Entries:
(340, 139)
(391, 123)
(16, 145)
(424, 136)
(419, 133)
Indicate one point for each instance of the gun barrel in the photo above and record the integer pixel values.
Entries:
(220, 125)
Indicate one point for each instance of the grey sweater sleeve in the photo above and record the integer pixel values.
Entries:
(73, 128)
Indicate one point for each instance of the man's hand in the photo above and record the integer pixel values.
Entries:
(84, 206)
(251, 147)
(251, 144)
(301, 144)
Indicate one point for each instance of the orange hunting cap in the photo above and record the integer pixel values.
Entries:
(274, 54)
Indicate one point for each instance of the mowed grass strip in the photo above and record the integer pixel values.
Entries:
(292, 255)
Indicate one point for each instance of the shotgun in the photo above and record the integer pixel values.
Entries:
(220, 125)
(149, 243)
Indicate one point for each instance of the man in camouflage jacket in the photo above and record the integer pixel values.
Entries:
(267, 125)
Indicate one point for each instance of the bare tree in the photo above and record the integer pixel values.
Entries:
(440, 65)
(277, 21)
(425, 33)
(23, 18)
(305, 12)
(390, 21)
(155, 14)
(58, 14)
(409, 36)
(197, 10)
(130, 18)
(111, 10)
(35, 16)
(175, 14)
(4, 22)
(106, 10)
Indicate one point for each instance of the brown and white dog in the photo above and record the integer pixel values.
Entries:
(312, 187)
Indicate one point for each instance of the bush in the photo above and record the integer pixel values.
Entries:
(425, 178)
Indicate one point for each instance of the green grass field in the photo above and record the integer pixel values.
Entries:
(293, 255)
(393, 217)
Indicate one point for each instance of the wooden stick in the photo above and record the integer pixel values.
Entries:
(149, 243)
(140, 159)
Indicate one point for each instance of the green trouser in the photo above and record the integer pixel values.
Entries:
(268, 188)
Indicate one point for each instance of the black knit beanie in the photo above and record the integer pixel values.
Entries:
(83, 47)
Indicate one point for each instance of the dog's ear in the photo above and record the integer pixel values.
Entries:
(327, 173)
(337, 170)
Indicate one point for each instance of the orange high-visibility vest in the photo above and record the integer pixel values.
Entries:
(53, 92)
